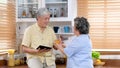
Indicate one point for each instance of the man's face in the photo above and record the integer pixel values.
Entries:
(43, 20)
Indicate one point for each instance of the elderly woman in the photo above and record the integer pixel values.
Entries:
(39, 34)
(78, 51)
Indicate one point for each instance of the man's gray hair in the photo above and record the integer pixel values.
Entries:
(42, 12)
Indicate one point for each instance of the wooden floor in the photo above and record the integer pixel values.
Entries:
(58, 66)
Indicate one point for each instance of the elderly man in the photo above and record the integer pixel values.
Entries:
(39, 34)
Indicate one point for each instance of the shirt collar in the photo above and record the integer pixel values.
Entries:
(82, 35)
(38, 28)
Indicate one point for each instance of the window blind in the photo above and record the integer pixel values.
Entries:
(7, 24)
(104, 18)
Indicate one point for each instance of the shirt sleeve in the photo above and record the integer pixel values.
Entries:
(72, 48)
(26, 38)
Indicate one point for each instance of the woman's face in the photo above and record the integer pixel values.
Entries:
(76, 32)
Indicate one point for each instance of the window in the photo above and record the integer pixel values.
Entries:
(7, 24)
(104, 18)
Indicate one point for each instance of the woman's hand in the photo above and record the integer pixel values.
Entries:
(58, 44)
(60, 47)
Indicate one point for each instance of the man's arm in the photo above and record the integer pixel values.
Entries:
(33, 51)
(28, 50)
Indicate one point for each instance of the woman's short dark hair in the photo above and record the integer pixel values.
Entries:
(82, 25)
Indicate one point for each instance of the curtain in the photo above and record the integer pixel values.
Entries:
(7, 24)
(104, 18)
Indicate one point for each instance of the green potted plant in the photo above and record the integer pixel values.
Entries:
(95, 54)
(96, 58)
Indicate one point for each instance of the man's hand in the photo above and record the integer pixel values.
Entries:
(33, 51)
(43, 50)
(55, 47)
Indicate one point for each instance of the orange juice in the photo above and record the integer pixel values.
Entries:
(57, 41)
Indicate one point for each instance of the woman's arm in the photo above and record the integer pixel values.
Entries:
(60, 47)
